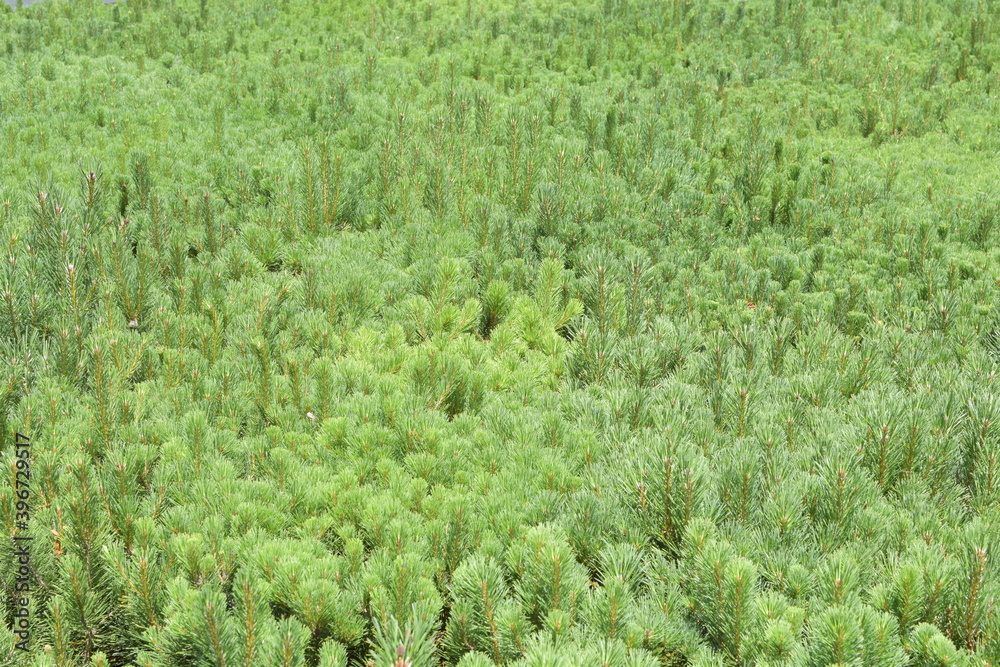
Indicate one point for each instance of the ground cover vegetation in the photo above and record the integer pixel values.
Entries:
(525, 333)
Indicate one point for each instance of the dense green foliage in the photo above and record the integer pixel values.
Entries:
(529, 333)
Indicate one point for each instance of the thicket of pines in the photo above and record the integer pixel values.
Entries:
(516, 332)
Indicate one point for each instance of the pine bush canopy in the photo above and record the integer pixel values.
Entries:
(523, 333)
